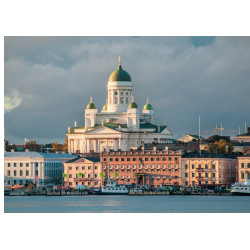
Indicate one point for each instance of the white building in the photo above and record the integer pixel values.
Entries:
(120, 124)
(23, 167)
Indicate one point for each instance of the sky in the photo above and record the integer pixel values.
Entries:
(48, 82)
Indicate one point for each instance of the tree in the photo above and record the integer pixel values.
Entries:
(9, 147)
(56, 146)
(32, 146)
(220, 147)
(65, 145)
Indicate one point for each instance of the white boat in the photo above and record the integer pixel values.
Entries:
(241, 188)
(113, 188)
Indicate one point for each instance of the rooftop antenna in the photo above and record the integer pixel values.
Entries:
(245, 127)
(200, 132)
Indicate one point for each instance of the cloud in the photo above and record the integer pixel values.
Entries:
(12, 101)
(183, 77)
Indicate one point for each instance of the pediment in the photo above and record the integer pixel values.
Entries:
(167, 131)
(102, 130)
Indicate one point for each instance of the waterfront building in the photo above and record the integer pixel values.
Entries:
(120, 124)
(143, 167)
(82, 171)
(243, 167)
(40, 168)
(243, 137)
(208, 169)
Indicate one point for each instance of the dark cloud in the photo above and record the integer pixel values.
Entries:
(49, 81)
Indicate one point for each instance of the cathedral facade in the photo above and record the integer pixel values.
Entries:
(120, 124)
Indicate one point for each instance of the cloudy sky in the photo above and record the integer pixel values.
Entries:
(48, 81)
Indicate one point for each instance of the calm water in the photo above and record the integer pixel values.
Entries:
(127, 204)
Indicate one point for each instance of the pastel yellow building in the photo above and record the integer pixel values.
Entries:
(210, 170)
(243, 167)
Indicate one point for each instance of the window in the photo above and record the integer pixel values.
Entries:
(192, 174)
(116, 159)
(157, 159)
(186, 183)
(8, 173)
(89, 167)
(121, 99)
(213, 174)
(104, 159)
(89, 175)
(36, 164)
(70, 168)
(27, 172)
(176, 159)
(192, 166)
(242, 165)
(27, 164)
(248, 165)
(21, 164)
(128, 159)
(70, 183)
(14, 164)
(242, 176)
(170, 158)
(14, 172)
(152, 159)
(110, 159)
(8, 164)
(186, 166)
(76, 176)
(206, 174)
(186, 174)
(134, 159)
(95, 175)
(126, 99)
(206, 166)
(76, 168)
(96, 167)
(115, 100)
(83, 168)
(213, 166)
(122, 159)
(164, 159)
(70, 175)
(88, 182)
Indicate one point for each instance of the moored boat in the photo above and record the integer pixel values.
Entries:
(113, 188)
(241, 188)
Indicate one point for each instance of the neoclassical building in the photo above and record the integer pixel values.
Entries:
(120, 124)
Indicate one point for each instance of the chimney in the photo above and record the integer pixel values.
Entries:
(27, 150)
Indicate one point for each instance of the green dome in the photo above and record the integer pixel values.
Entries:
(132, 105)
(91, 105)
(148, 107)
(119, 75)
(105, 107)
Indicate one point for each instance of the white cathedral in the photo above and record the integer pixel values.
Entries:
(119, 125)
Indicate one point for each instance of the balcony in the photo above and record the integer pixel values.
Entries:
(200, 169)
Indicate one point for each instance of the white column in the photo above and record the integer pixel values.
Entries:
(94, 145)
(107, 145)
(99, 146)
(114, 143)
(85, 146)
(119, 143)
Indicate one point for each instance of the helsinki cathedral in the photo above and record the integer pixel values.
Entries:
(120, 124)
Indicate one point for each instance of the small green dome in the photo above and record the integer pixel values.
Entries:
(148, 107)
(132, 105)
(105, 107)
(119, 75)
(91, 105)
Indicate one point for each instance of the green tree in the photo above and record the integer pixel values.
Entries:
(56, 146)
(32, 146)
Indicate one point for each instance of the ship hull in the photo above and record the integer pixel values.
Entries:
(240, 194)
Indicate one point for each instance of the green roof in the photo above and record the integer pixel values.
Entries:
(132, 105)
(148, 106)
(149, 125)
(119, 75)
(91, 105)
(105, 107)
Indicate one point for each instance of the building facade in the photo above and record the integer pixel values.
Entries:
(24, 167)
(120, 124)
(208, 169)
(143, 167)
(82, 171)
(243, 137)
(243, 167)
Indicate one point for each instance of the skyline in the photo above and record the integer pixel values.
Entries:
(42, 72)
